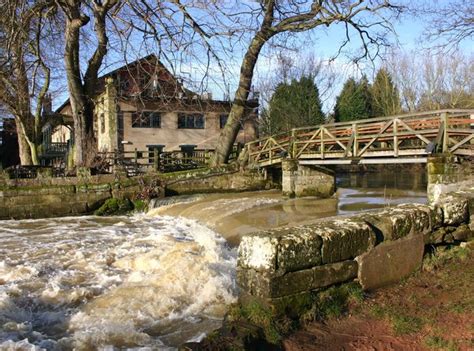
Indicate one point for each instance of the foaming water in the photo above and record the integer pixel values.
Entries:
(233, 215)
(149, 282)
(92, 283)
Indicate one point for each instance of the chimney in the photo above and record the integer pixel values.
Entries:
(47, 104)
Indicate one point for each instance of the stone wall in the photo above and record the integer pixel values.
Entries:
(54, 197)
(374, 248)
(214, 181)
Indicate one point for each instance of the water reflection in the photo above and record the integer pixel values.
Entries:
(233, 215)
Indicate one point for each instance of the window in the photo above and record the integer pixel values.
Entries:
(191, 121)
(223, 121)
(102, 123)
(146, 119)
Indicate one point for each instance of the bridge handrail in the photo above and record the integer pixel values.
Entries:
(435, 113)
(355, 138)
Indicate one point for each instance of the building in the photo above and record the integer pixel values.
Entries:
(142, 106)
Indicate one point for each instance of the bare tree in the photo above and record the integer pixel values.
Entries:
(275, 17)
(25, 75)
(433, 80)
(82, 87)
(452, 22)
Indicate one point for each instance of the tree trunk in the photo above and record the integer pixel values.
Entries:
(237, 112)
(81, 105)
(23, 145)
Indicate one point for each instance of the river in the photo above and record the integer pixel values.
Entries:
(151, 281)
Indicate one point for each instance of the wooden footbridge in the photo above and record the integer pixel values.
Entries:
(409, 138)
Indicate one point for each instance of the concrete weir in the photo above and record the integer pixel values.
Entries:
(375, 248)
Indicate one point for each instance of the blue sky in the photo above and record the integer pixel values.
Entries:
(322, 44)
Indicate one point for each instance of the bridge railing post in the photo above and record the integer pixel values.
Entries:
(444, 120)
(292, 147)
(355, 146)
(322, 142)
(395, 137)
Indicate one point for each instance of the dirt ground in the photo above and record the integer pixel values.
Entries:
(431, 310)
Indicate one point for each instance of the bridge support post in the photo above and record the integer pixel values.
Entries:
(300, 181)
(448, 173)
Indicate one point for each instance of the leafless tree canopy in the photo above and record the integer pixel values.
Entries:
(451, 23)
(433, 80)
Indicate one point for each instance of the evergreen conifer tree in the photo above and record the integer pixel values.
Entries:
(385, 96)
(296, 104)
(354, 101)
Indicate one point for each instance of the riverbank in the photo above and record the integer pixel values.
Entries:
(431, 310)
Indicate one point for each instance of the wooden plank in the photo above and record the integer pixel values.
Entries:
(375, 138)
(462, 142)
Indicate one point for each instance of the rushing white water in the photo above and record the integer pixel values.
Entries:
(142, 282)
(97, 283)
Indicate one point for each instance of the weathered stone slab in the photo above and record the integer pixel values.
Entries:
(455, 210)
(420, 217)
(314, 278)
(343, 239)
(252, 282)
(266, 285)
(436, 217)
(390, 224)
(258, 252)
(299, 248)
(390, 262)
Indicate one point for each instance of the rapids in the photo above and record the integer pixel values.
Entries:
(93, 283)
(155, 281)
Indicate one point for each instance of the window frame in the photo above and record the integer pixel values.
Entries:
(151, 116)
(187, 117)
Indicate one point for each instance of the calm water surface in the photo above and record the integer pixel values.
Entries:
(151, 281)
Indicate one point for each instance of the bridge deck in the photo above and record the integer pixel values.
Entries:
(396, 139)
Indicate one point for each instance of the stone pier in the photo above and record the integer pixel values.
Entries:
(448, 173)
(299, 180)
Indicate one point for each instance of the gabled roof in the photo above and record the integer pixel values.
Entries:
(130, 66)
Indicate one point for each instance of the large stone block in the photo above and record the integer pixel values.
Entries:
(390, 262)
(267, 285)
(463, 233)
(311, 279)
(252, 282)
(343, 239)
(390, 224)
(298, 248)
(455, 210)
(258, 252)
(421, 217)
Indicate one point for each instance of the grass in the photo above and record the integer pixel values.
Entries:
(401, 323)
(260, 315)
(439, 343)
(333, 302)
(409, 315)
(442, 256)
(405, 324)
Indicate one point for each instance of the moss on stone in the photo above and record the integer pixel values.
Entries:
(140, 205)
(114, 206)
